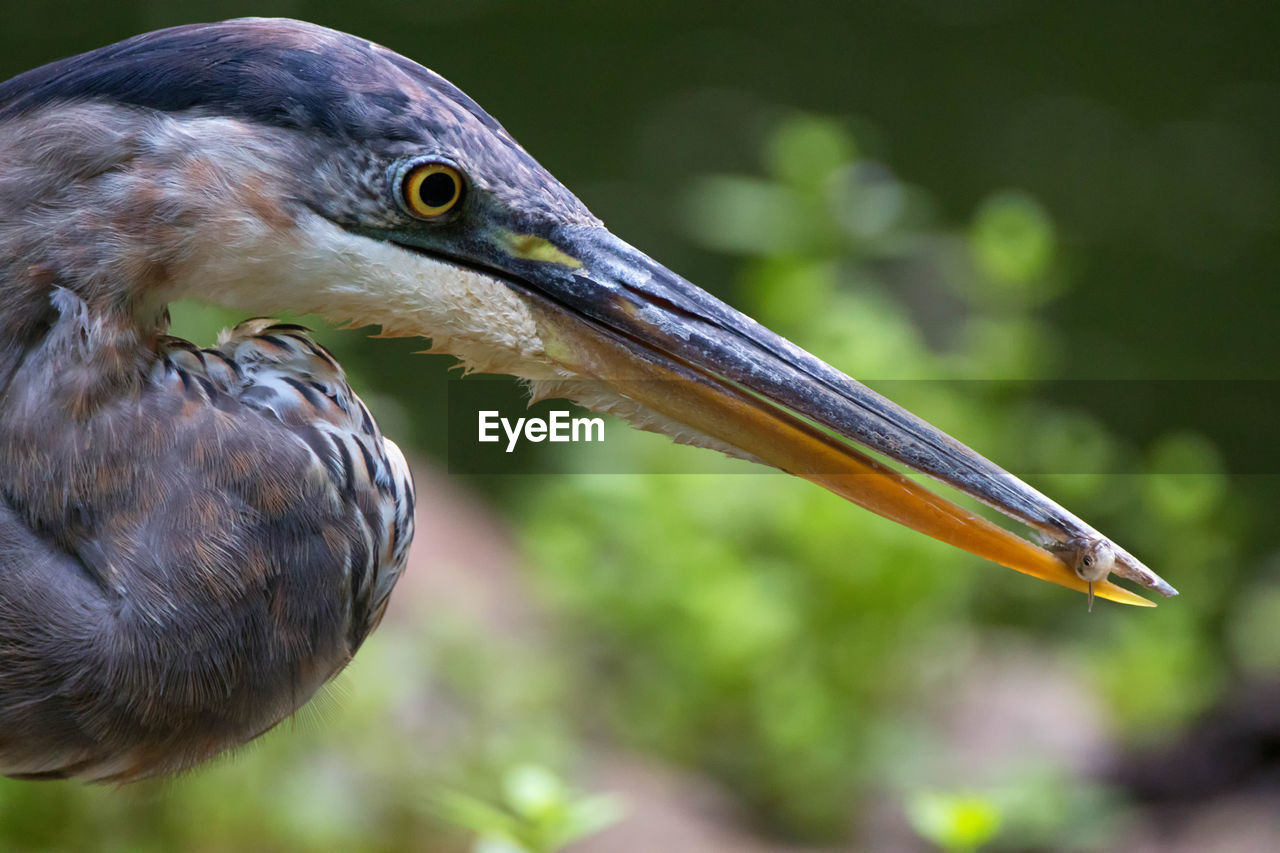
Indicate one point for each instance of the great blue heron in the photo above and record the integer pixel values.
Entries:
(193, 540)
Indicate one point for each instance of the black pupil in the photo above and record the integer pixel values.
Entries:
(437, 189)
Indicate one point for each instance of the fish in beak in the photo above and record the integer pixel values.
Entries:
(608, 314)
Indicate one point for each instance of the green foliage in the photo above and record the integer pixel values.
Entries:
(1255, 640)
(768, 639)
(537, 814)
(1012, 240)
(421, 710)
(763, 631)
(1035, 808)
(954, 822)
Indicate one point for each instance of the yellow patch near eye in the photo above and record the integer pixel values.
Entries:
(533, 248)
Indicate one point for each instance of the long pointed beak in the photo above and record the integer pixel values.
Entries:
(608, 312)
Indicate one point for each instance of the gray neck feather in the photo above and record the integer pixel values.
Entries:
(108, 202)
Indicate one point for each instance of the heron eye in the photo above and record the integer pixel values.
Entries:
(431, 189)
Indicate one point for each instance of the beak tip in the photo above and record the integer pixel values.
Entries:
(1131, 568)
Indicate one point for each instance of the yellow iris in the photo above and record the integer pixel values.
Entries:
(431, 189)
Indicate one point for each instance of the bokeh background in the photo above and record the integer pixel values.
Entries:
(1051, 229)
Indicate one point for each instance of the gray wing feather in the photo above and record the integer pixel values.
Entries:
(191, 542)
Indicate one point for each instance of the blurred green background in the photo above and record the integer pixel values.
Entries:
(914, 190)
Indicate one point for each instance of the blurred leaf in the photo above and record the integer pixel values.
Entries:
(1186, 480)
(747, 216)
(1156, 673)
(534, 792)
(957, 822)
(474, 814)
(873, 202)
(538, 813)
(491, 844)
(1012, 239)
(1255, 631)
(803, 151)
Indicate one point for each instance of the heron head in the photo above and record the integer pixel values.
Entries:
(273, 165)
